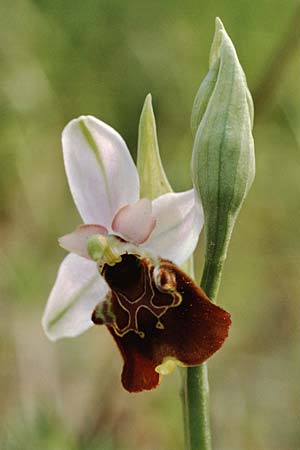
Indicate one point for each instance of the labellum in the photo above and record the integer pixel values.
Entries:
(157, 314)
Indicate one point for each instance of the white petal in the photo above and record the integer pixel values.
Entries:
(76, 242)
(77, 290)
(101, 173)
(135, 222)
(179, 221)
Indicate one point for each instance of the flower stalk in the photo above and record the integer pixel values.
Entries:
(195, 382)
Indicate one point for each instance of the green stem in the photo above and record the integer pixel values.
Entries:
(211, 277)
(196, 388)
(184, 403)
(197, 398)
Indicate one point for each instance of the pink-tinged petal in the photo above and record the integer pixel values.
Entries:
(76, 242)
(135, 222)
(101, 173)
(77, 290)
(179, 222)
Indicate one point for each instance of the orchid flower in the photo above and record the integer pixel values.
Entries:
(122, 267)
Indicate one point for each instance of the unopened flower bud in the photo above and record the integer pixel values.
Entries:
(223, 154)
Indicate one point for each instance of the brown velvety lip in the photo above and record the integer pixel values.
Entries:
(151, 321)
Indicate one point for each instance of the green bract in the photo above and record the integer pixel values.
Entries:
(153, 180)
(223, 165)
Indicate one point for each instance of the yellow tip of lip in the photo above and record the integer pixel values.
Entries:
(167, 367)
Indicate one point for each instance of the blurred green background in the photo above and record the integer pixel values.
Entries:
(61, 59)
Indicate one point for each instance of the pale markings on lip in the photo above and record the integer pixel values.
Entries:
(157, 311)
